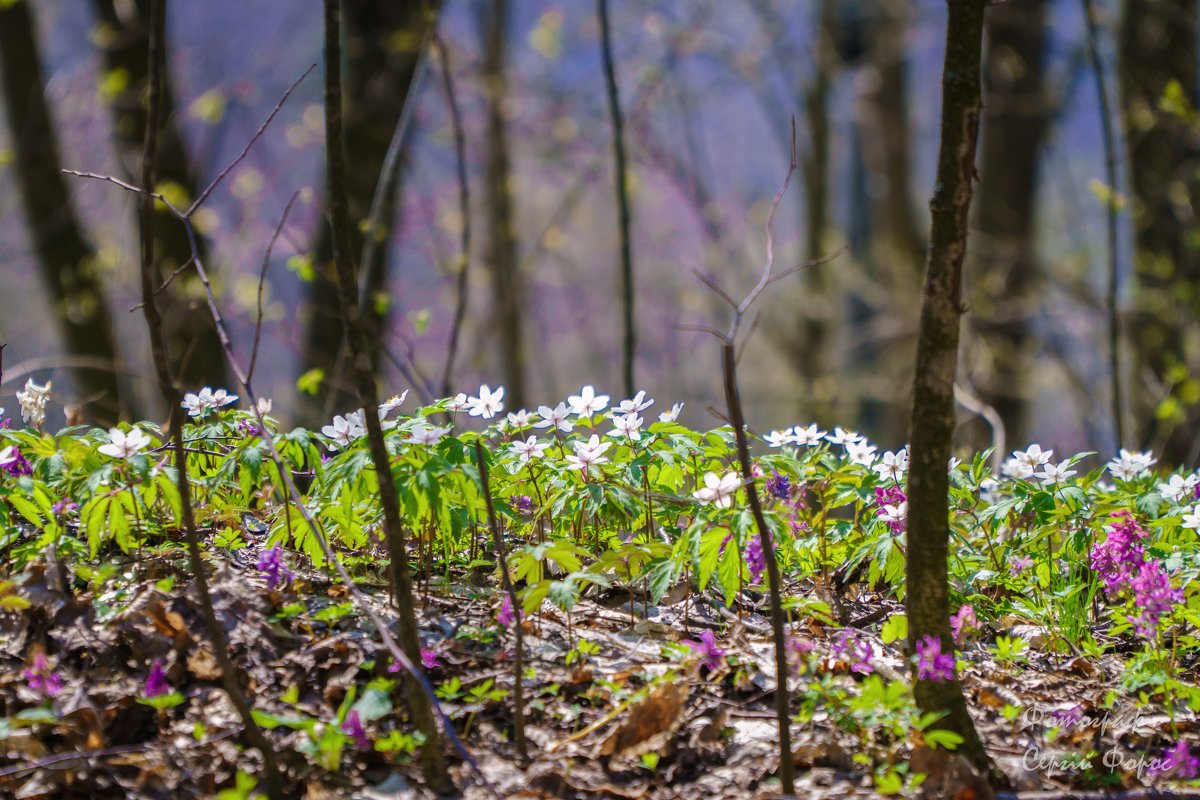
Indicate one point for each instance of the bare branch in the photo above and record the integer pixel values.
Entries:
(262, 278)
(253, 139)
(464, 210)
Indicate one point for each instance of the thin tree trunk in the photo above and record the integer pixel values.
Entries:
(433, 760)
(1158, 48)
(67, 259)
(1003, 271)
(622, 190)
(932, 422)
(123, 37)
(383, 50)
(817, 308)
(500, 219)
(896, 247)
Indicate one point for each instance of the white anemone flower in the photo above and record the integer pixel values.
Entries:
(517, 420)
(1191, 518)
(264, 405)
(587, 402)
(1056, 473)
(530, 449)
(391, 404)
(557, 417)
(427, 435)
(844, 437)
(627, 427)
(1129, 465)
(779, 438)
(635, 404)
(124, 445)
(7, 456)
(807, 437)
(488, 404)
(589, 453)
(1177, 487)
(892, 466)
(344, 430)
(672, 415)
(861, 453)
(718, 489)
(457, 403)
(895, 514)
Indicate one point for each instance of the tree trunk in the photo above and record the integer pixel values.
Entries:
(352, 316)
(500, 222)
(1158, 48)
(123, 38)
(895, 249)
(67, 259)
(932, 422)
(818, 308)
(383, 46)
(1004, 263)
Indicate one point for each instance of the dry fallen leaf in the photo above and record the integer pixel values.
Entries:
(644, 728)
(202, 663)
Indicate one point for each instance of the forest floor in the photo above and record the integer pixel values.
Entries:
(615, 710)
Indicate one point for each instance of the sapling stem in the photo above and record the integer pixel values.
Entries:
(510, 590)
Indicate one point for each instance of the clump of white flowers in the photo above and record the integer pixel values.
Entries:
(199, 404)
(33, 402)
(124, 445)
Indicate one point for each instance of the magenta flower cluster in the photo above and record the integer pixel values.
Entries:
(963, 622)
(1121, 563)
(756, 562)
(156, 682)
(354, 728)
(891, 496)
(779, 485)
(41, 677)
(19, 465)
(270, 563)
(507, 616)
(1178, 762)
(855, 651)
(707, 649)
(932, 664)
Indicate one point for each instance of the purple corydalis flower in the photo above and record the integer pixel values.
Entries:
(506, 616)
(932, 664)
(270, 563)
(1019, 564)
(429, 658)
(891, 496)
(1120, 555)
(1178, 762)
(353, 727)
(525, 504)
(707, 649)
(19, 465)
(799, 647)
(779, 485)
(1154, 596)
(756, 562)
(1068, 718)
(963, 622)
(41, 678)
(854, 651)
(156, 681)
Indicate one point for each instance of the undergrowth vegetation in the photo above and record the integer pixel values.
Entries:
(1050, 556)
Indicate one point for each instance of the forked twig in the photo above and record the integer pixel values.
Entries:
(262, 279)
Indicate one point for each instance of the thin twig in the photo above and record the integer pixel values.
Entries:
(464, 210)
(510, 590)
(253, 139)
(262, 279)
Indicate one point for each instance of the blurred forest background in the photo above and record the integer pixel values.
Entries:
(706, 90)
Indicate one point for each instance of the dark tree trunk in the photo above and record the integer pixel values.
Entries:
(67, 259)
(932, 422)
(1158, 47)
(356, 332)
(817, 310)
(1004, 263)
(895, 251)
(383, 46)
(500, 221)
(123, 39)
